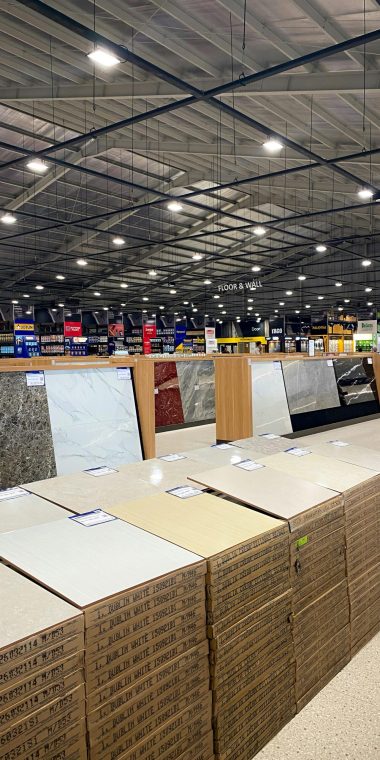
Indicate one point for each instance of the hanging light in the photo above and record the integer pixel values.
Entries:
(368, 290)
(123, 285)
(60, 277)
(369, 303)
(175, 206)
(197, 257)
(172, 292)
(8, 219)
(96, 293)
(145, 298)
(39, 287)
(320, 248)
(366, 263)
(103, 58)
(81, 262)
(338, 284)
(301, 277)
(320, 298)
(288, 292)
(25, 295)
(14, 301)
(118, 240)
(365, 193)
(272, 145)
(152, 273)
(346, 300)
(37, 166)
(207, 282)
(256, 268)
(259, 230)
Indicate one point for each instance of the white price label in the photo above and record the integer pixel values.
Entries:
(123, 373)
(156, 391)
(330, 363)
(249, 464)
(339, 443)
(222, 446)
(95, 517)
(97, 472)
(277, 365)
(298, 452)
(13, 493)
(269, 436)
(369, 360)
(185, 492)
(196, 387)
(35, 378)
(172, 457)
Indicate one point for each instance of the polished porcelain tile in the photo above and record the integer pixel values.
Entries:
(28, 510)
(172, 441)
(197, 388)
(264, 445)
(168, 404)
(356, 381)
(269, 403)
(93, 418)
(26, 445)
(310, 385)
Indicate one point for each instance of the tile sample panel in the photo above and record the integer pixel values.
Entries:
(310, 385)
(26, 443)
(321, 470)
(28, 510)
(269, 403)
(356, 381)
(197, 389)
(168, 404)
(93, 419)
(359, 455)
(264, 445)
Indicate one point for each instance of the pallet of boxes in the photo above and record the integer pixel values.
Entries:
(315, 520)
(248, 610)
(145, 650)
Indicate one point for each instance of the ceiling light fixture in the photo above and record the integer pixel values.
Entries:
(320, 248)
(197, 257)
(346, 300)
(301, 277)
(216, 297)
(320, 298)
(161, 307)
(14, 301)
(152, 273)
(281, 303)
(185, 303)
(145, 298)
(25, 295)
(195, 309)
(368, 290)
(60, 277)
(175, 206)
(289, 292)
(39, 287)
(307, 306)
(259, 230)
(256, 268)
(338, 284)
(249, 308)
(61, 305)
(207, 282)
(366, 263)
(123, 285)
(37, 166)
(96, 293)
(81, 262)
(103, 58)
(8, 219)
(172, 292)
(365, 193)
(118, 240)
(369, 303)
(272, 145)
(297, 311)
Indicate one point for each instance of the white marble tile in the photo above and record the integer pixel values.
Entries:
(93, 418)
(269, 403)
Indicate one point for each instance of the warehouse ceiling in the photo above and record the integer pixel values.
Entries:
(183, 116)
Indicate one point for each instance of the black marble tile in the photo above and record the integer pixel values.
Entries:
(356, 381)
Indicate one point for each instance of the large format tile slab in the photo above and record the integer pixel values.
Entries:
(197, 389)
(269, 402)
(93, 418)
(321, 470)
(86, 564)
(168, 404)
(263, 445)
(26, 445)
(310, 385)
(28, 510)
(355, 379)
(359, 455)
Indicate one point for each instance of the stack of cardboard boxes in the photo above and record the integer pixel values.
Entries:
(143, 599)
(248, 611)
(315, 521)
(42, 695)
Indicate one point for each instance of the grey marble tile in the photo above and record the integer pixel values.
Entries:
(197, 388)
(26, 443)
(310, 385)
(356, 381)
(269, 403)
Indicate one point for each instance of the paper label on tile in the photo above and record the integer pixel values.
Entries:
(249, 464)
(330, 363)
(185, 492)
(339, 443)
(95, 517)
(97, 472)
(369, 360)
(302, 542)
(35, 378)
(277, 365)
(13, 493)
(298, 452)
(156, 391)
(123, 373)
(196, 387)
(172, 457)
(269, 436)
(222, 446)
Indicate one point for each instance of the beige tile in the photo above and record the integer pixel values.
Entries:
(185, 439)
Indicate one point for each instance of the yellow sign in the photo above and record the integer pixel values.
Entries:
(24, 327)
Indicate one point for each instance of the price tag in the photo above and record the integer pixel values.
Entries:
(298, 452)
(185, 492)
(339, 443)
(330, 363)
(249, 464)
(13, 493)
(172, 457)
(196, 387)
(156, 391)
(369, 360)
(95, 517)
(123, 373)
(277, 365)
(97, 472)
(35, 378)
(222, 446)
(269, 436)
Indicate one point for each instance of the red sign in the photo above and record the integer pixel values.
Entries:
(72, 329)
(149, 331)
(115, 330)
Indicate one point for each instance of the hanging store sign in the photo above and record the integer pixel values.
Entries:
(368, 326)
(235, 287)
(72, 329)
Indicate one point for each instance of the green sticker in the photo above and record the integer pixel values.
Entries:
(302, 541)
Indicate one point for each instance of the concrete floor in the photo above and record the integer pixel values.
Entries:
(342, 722)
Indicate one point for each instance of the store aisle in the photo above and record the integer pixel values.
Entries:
(185, 439)
(342, 722)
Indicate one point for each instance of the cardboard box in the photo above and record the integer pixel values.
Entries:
(31, 702)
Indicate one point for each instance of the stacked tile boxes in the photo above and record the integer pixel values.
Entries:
(146, 666)
(42, 696)
(363, 539)
(317, 563)
(248, 610)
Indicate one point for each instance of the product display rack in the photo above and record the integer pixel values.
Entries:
(7, 344)
(52, 345)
